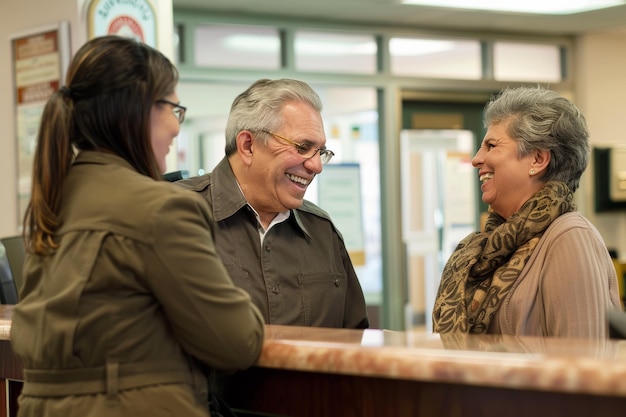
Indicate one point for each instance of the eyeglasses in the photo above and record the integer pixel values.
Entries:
(306, 150)
(179, 111)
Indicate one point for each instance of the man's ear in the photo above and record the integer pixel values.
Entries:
(245, 143)
(541, 161)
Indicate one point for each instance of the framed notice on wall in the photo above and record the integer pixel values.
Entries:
(133, 19)
(339, 192)
(39, 60)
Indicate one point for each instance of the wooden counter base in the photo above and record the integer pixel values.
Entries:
(307, 394)
(11, 376)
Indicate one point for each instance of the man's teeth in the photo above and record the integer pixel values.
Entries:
(298, 179)
(486, 177)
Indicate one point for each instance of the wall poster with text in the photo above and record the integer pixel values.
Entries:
(132, 19)
(39, 60)
(339, 193)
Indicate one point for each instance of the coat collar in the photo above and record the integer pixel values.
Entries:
(101, 158)
(228, 198)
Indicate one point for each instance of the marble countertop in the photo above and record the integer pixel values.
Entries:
(596, 367)
(5, 321)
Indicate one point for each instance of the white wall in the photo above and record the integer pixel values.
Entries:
(25, 15)
(16, 17)
(600, 93)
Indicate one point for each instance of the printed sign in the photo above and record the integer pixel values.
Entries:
(37, 66)
(39, 60)
(130, 18)
(340, 195)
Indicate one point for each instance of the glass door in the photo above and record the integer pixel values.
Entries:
(438, 210)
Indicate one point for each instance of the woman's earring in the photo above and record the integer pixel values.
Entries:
(532, 171)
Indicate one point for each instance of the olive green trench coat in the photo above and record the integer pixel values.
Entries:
(122, 318)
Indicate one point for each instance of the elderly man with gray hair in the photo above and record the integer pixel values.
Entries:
(284, 250)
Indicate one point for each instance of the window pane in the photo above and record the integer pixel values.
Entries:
(526, 62)
(332, 52)
(235, 46)
(436, 58)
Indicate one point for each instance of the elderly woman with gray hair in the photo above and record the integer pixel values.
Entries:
(539, 268)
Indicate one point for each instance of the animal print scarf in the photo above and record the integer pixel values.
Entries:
(485, 265)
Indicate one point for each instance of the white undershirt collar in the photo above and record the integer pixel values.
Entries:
(279, 218)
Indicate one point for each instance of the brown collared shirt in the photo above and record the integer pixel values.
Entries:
(300, 275)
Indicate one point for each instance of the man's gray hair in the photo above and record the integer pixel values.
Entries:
(259, 107)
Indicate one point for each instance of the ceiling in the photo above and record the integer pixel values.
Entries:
(392, 13)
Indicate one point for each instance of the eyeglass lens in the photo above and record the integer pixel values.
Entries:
(178, 110)
(306, 150)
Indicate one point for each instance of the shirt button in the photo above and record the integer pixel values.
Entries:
(337, 283)
(268, 247)
(276, 289)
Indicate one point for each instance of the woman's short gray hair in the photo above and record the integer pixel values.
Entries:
(259, 107)
(541, 119)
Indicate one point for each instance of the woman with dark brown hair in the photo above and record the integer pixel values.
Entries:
(125, 303)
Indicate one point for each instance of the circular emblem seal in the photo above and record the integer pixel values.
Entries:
(129, 18)
(126, 26)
